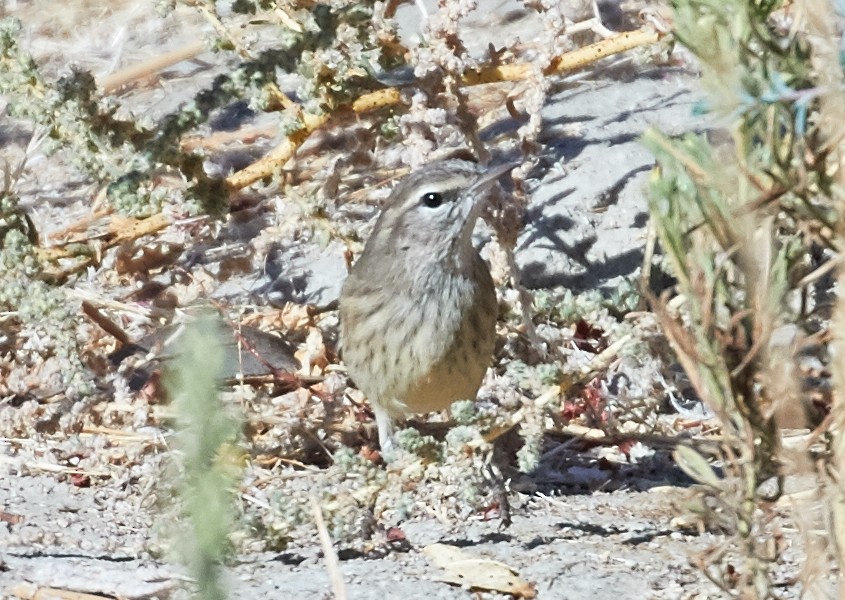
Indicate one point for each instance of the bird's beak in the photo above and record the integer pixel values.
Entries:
(488, 177)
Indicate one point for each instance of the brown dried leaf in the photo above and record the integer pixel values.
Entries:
(133, 259)
(463, 569)
(312, 355)
(296, 316)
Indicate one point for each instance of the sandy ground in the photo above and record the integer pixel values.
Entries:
(576, 546)
(585, 230)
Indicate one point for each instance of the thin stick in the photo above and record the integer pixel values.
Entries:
(329, 555)
(278, 156)
(570, 61)
(115, 81)
(648, 258)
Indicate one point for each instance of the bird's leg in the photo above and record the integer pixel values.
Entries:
(385, 430)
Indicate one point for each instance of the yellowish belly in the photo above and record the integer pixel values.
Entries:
(416, 356)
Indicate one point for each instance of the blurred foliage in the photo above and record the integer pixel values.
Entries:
(737, 221)
(37, 311)
(210, 462)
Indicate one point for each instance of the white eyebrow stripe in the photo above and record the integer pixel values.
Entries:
(442, 185)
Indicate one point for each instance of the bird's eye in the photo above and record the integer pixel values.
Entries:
(432, 199)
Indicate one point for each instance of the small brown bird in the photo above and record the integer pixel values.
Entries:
(418, 311)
